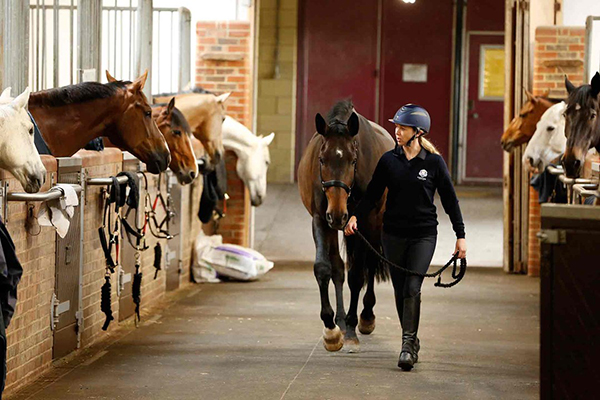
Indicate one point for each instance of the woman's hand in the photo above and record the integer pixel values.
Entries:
(351, 226)
(461, 248)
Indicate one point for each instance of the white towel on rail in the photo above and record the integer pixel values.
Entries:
(57, 213)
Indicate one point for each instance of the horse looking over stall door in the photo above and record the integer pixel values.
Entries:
(333, 175)
(69, 117)
(18, 154)
(549, 141)
(253, 157)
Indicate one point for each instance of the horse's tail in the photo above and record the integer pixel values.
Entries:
(358, 255)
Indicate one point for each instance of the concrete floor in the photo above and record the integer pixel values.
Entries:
(261, 340)
(283, 227)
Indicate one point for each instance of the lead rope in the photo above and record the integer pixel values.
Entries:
(457, 272)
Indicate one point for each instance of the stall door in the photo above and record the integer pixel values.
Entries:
(482, 154)
(338, 49)
(173, 255)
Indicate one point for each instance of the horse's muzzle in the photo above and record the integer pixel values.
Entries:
(337, 222)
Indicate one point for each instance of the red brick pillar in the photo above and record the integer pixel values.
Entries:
(558, 51)
(224, 64)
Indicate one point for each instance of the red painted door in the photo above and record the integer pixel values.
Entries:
(337, 60)
(416, 62)
(482, 156)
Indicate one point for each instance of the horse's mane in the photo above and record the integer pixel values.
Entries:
(178, 118)
(195, 89)
(580, 95)
(74, 94)
(340, 112)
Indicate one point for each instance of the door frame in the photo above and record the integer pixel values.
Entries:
(464, 105)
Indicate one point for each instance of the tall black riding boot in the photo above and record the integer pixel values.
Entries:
(410, 326)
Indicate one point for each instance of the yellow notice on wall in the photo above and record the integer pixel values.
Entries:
(491, 82)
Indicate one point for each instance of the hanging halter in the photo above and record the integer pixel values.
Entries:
(159, 230)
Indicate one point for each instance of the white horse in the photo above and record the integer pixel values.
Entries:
(549, 140)
(253, 157)
(18, 154)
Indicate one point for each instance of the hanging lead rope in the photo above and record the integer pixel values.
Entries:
(457, 272)
(157, 258)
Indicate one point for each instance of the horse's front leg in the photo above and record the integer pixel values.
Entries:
(333, 339)
(356, 279)
(366, 325)
(338, 275)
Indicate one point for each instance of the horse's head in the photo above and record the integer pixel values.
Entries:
(548, 141)
(253, 169)
(211, 132)
(136, 130)
(337, 165)
(174, 127)
(581, 124)
(18, 154)
(522, 127)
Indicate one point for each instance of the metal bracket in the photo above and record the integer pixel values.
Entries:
(552, 236)
(57, 308)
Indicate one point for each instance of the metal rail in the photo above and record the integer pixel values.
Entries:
(586, 190)
(53, 194)
(105, 181)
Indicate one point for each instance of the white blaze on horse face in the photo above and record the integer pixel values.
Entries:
(17, 149)
(339, 153)
(548, 141)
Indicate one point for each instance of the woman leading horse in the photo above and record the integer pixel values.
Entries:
(411, 173)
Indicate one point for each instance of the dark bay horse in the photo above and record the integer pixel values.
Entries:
(522, 127)
(71, 116)
(333, 175)
(582, 126)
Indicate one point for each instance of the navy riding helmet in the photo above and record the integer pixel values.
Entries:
(413, 115)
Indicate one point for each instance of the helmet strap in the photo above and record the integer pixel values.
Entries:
(417, 130)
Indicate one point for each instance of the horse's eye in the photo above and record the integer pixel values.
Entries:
(321, 160)
(223, 119)
(353, 162)
(522, 115)
(148, 113)
(176, 132)
(31, 131)
(593, 116)
(550, 128)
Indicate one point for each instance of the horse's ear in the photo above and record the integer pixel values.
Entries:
(530, 96)
(596, 85)
(221, 99)
(138, 84)
(353, 124)
(320, 124)
(171, 106)
(570, 87)
(109, 77)
(267, 140)
(21, 100)
(5, 94)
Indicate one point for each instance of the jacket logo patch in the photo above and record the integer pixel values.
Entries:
(422, 175)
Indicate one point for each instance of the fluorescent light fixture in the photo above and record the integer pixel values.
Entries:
(409, 1)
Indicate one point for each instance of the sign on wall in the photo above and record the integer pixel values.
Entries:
(414, 72)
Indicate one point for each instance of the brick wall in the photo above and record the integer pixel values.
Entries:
(224, 64)
(29, 336)
(276, 101)
(558, 51)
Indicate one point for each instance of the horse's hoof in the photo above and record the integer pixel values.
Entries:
(352, 345)
(366, 327)
(333, 339)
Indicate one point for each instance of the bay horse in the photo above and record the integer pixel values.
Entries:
(69, 117)
(176, 130)
(582, 128)
(522, 127)
(205, 113)
(333, 175)
(18, 154)
(253, 157)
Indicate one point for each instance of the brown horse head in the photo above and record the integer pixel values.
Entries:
(522, 127)
(581, 124)
(337, 165)
(136, 130)
(205, 113)
(174, 127)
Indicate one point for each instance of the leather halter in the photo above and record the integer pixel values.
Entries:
(337, 183)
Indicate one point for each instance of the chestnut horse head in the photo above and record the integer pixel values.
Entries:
(582, 128)
(71, 116)
(522, 127)
(174, 127)
(205, 113)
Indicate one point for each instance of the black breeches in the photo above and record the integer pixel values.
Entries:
(414, 254)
